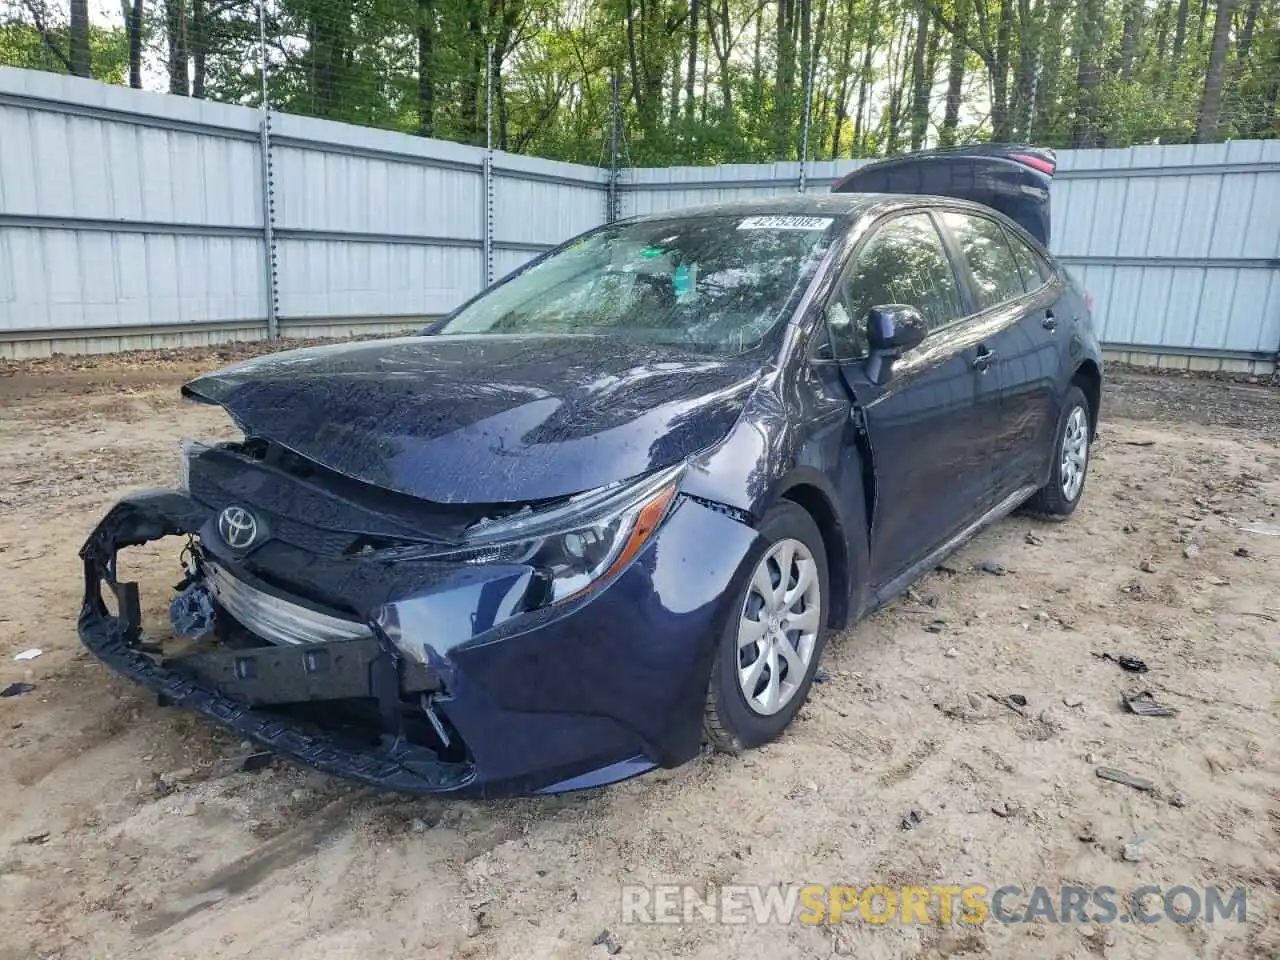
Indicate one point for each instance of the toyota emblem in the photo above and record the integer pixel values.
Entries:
(238, 527)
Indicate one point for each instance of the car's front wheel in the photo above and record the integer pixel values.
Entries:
(1058, 499)
(770, 647)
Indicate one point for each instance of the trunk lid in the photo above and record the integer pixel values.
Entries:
(1011, 178)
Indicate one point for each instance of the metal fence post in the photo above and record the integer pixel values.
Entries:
(613, 199)
(488, 165)
(268, 189)
(808, 113)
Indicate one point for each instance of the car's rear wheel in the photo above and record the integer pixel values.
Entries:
(1059, 498)
(770, 647)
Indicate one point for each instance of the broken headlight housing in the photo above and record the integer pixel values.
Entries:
(572, 545)
(189, 451)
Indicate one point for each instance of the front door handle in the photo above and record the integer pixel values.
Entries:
(1050, 322)
(982, 362)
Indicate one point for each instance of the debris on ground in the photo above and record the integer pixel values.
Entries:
(952, 652)
(988, 566)
(1131, 588)
(29, 654)
(1073, 701)
(1190, 551)
(935, 626)
(38, 837)
(1006, 809)
(1032, 539)
(1138, 443)
(17, 689)
(1133, 851)
(1144, 704)
(1265, 529)
(1013, 701)
(821, 676)
(1128, 779)
(911, 820)
(605, 939)
(250, 762)
(1242, 551)
(1131, 664)
(1147, 566)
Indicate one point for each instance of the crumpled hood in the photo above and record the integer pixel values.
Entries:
(486, 419)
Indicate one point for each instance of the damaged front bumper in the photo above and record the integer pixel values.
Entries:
(575, 695)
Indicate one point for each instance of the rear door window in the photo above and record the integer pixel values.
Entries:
(1035, 272)
(903, 262)
(986, 251)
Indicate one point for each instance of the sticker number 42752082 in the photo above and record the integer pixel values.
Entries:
(785, 223)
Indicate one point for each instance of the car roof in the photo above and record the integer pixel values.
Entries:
(783, 204)
(846, 207)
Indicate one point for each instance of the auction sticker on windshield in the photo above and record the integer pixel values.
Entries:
(785, 223)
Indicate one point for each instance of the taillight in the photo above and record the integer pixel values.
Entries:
(1036, 163)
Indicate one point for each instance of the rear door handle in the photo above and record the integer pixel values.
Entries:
(984, 359)
(1050, 322)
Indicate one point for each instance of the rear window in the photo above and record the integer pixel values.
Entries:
(987, 253)
(1035, 272)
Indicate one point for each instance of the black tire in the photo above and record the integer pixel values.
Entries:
(731, 725)
(1051, 502)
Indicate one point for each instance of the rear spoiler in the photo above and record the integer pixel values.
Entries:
(1011, 178)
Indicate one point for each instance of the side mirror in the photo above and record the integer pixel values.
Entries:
(892, 330)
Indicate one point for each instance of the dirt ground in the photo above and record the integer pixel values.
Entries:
(122, 833)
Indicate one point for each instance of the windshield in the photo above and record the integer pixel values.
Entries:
(712, 283)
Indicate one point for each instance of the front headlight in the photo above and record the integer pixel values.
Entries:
(575, 544)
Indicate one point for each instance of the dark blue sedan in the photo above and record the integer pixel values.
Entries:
(611, 508)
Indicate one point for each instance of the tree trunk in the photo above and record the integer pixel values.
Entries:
(757, 65)
(199, 46)
(1025, 75)
(784, 80)
(920, 83)
(692, 73)
(845, 68)
(328, 50)
(1131, 38)
(955, 79)
(1089, 35)
(637, 84)
(1180, 34)
(1044, 111)
(1211, 104)
(722, 40)
(426, 67)
(1000, 74)
(133, 31)
(176, 28)
(81, 62)
(860, 123)
(1246, 35)
(677, 84)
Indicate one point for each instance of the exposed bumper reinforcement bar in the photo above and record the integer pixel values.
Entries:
(335, 670)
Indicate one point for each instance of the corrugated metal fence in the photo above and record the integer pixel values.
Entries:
(132, 219)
